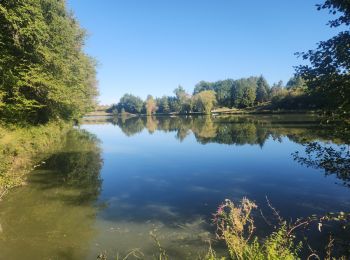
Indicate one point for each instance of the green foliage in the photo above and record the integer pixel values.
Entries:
(130, 104)
(20, 148)
(204, 101)
(235, 226)
(328, 75)
(280, 245)
(174, 104)
(262, 90)
(295, 83)
(45, 73)
(244, 92)
(202, 86)
(180, 92)
(223, 92)
(163, 105)
(295, 96)
(241, 93)
(183, 100)
(331, 160)
(248, 97)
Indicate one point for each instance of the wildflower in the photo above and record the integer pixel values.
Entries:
(220, 209)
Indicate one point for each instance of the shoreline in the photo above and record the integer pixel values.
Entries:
(23, 149)
(214, 112)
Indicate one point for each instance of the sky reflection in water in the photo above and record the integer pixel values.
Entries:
(108, 190)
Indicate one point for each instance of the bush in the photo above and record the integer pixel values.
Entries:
(235, 226)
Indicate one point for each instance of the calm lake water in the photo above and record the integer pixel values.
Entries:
(111, 183)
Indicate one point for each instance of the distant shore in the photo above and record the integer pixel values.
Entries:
(219, 111)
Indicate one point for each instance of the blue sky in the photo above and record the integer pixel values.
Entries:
(152, 46)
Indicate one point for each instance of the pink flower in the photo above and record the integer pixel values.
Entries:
(220, 209)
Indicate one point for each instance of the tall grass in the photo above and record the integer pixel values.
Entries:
(23, 147)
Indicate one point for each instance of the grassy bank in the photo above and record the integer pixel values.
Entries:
(21, 148)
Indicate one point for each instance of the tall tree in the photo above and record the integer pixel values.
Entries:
(202, 86)
(151, 105)
(44, 72)
(163, 105)
(184, 99)
(244, 92)
(328, 75)
(223, 92)
(262, 90)
(174, 104)
(204, 101)
(130, 104)
(180, 92)
(248, 97)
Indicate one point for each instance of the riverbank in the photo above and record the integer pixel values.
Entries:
(21, 148)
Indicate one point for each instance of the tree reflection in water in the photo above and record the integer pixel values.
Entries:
(255, 130)
(78, 166)
(325, 146)
(333, 160)
(54, 216)
(238, 130)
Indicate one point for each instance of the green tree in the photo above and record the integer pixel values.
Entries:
(174, 104)
(262, 90)
(223, 92)
(163, 105)
(130, 104)
(202, 86)
(184, 100)
(204, 101)
(296, 82)
(328, 75)
(244, 92)
(44, 72)
(248, 97)
(180, 92)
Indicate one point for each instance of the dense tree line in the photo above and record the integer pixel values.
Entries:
(229, 93)
(44, 73)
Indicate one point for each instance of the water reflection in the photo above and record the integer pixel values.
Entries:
(164, 173)
(171, 172)
(77, 167)
(331, 159)
(255, 130)
(238, 130)
(53, 217)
